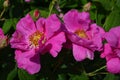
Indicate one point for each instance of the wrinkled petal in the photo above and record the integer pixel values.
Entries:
(90, 54)
(113, 65)
(18, 41)
(80, 41)
(117, 51)
(80, 53)
(115, 30)
(26, 25)
(115, 38)
(29, 61)
(40, 24)
(96, 35)
(75, 20)
(55, 43)
(52, 25)
(111, 38)
(107, 50)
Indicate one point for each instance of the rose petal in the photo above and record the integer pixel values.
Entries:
(74, 20)
(107, 50)
(18, 40)
(55, 43)
(113, 65)
(79, 52)
(111, 38)
(26, 25)
(40, 24)
(29, 61)
(52, 25)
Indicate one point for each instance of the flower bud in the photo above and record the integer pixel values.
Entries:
(87, 6)
(3, 39)
(6, 3)
(3, 42)
(36, 14)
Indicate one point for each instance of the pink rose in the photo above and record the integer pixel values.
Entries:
(112, 50)
(34, 38)
(85, 37)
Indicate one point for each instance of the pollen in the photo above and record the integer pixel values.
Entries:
(81, 33)
(35, 37)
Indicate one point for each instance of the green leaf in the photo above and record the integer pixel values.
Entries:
(23, 75)
(62, 77)
(112, 20)
(79, 77)
(111, 77)
(12, 74)
(7, 25)
(15, 20)
(106, 4)
(83, 1)
(51, 6)
(93, 12)
(44, 13)
(1, 3)
(118, 3)
(99, 19)
(72, 6)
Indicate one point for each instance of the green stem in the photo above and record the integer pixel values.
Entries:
(84, 71)
(51, 6)
(96, 16)
(95, 72)
(2, 13)
(99, 69)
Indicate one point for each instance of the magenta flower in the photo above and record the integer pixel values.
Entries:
(1, 34)
(112, 50)
(32, 38)
(84, 36)
(27, 0)
(3, 39)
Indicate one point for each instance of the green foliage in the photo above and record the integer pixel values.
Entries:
(7, 25)
(79, 77)
(106, 4)
(111, 77)
(23, 75)
(12, 74)
(112, 20)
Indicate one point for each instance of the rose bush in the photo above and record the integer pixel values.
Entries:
(59, 40)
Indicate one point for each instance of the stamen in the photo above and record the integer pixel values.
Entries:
(81, 33)
(35, 37)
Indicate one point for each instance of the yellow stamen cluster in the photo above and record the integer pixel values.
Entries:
(81, 33)
(35, 37)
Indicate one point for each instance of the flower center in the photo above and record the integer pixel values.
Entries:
(81, 33)
(35, 37)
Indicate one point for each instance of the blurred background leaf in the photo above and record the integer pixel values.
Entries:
(112, 20)
(12, 74)
(23, 75)
(111, 77)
